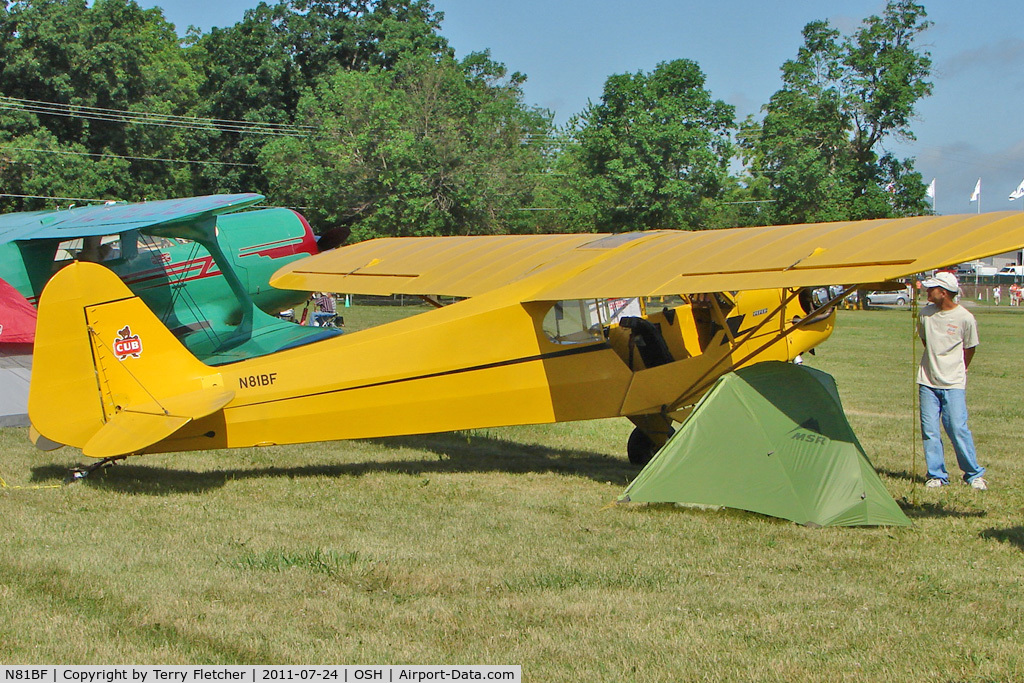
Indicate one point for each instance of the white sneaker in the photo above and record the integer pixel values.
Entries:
(979, 484)
(935, 483)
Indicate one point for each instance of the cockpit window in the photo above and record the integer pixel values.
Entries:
(151, 243)
(576, 321)
(95, 249)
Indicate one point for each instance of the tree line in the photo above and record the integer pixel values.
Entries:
(359, 113)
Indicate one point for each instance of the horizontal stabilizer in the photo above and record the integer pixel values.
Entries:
(141, 425)
(40, 441)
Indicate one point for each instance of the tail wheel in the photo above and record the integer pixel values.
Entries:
(641, 448)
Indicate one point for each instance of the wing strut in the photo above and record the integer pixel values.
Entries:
(704, 382)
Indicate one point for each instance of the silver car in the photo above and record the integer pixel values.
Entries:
(901, 297)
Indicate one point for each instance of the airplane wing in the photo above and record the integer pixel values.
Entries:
(661, 262)
(109, 219)
(448, 266)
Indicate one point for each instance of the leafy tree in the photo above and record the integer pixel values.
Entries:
(430, 146)
(819, 147)
(257, 70)
(652, 153)
(110, 55)
(38, 165)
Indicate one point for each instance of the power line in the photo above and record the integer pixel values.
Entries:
(41, 196)
(102, 111)
(154, 119)
(121, 156)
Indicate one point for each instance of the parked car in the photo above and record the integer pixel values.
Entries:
(970, 270)
(1011, 271)
(900, 297)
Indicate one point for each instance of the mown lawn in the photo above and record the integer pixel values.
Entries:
(499, 546)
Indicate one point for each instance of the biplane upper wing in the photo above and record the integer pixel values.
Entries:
(660, 262)
(109, 219)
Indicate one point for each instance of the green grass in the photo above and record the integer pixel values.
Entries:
(499, 546)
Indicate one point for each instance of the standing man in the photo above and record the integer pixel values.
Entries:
(950, 336)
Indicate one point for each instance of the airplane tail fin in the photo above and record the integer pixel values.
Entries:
(107, 376)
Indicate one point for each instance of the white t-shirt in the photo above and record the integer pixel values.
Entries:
(946, 334)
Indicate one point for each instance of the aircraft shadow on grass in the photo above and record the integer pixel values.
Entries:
(929, 509)
(898, 474)
(456, 452)
(1013, 535)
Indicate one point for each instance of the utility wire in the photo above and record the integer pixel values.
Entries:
(121, 156)
(171, 117)
(41, 196)
(153, 119)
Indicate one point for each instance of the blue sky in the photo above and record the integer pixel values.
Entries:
(969, 128)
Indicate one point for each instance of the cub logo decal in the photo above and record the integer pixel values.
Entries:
(127, 344)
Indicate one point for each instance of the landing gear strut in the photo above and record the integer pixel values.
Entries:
(79, 473)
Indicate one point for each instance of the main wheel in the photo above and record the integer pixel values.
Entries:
(901, 301)
(640, 448)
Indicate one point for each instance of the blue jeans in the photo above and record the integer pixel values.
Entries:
(949, 406)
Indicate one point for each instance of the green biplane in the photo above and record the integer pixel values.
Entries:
(202, 269)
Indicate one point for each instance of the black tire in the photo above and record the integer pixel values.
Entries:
(640, 449)
(901, 301)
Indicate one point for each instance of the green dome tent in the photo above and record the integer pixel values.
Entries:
(770, 438)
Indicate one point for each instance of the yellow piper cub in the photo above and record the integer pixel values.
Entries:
(534, 338)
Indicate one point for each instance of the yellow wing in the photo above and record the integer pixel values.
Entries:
(661, 262)
(448, 266)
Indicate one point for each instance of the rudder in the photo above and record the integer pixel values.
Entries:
(107, 376)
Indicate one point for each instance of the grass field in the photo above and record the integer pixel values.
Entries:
(499, 547)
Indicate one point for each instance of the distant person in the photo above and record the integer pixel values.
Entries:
(326, 309)
(950, 336)
(1015, 294)
(997, 294)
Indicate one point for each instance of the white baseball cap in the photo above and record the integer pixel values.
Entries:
(942, 279)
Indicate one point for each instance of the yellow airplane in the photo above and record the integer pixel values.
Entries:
(532, 338)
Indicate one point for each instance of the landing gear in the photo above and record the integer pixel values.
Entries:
(79, 473)
(640, 448)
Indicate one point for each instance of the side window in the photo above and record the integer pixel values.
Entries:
(96, 249)
(576, 321)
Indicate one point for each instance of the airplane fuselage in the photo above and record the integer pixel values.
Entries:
(482, 362)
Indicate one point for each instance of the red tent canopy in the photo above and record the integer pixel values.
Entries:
(17, 317)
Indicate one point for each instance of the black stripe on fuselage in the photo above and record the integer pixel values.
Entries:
(487, 366)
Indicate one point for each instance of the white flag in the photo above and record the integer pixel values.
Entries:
(1018, 193)
(976, 195)
(930, 192)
